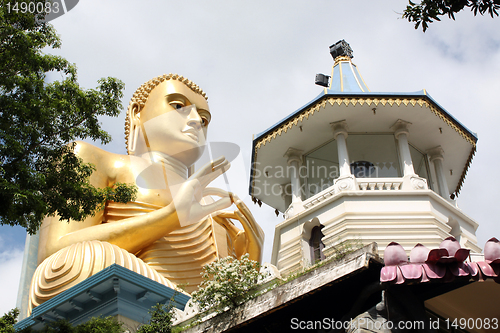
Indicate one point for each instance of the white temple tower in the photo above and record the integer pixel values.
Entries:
(358, 166)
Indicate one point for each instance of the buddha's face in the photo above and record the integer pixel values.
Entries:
(175, 120)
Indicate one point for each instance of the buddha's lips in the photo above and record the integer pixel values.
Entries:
(192, 133)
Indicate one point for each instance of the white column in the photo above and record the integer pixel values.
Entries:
(294, 161)
(401, 133)
(286, 193)
(437, 157)
(340, 135)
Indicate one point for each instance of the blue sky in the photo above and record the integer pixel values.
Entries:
(257, 61)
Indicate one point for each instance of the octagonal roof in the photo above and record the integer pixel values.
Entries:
(348, 98)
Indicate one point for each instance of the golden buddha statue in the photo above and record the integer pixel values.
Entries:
(174, 227)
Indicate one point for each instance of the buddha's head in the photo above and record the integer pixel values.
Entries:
(168, 114)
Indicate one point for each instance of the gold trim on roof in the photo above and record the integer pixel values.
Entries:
(316, 107)
(355, 76)
(464, 172)
(341, 76)
(361, 76)
(421, 101)
(339, 59)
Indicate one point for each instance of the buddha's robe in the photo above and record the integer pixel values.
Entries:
(174, 260)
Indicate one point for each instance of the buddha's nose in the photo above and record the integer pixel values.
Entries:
(194, 119)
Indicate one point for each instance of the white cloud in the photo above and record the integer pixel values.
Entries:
(10, 273)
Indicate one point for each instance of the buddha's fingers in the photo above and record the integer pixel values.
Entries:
(226, 224)
(216, 206)
(250, 220)
(253, 233)
(210, 171)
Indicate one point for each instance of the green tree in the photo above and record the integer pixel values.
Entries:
(429, 11)
(161, 320)
(8, 320)
(227, 282)
(39, 172)
(94, 325)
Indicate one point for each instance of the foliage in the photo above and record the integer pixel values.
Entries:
(336, 253)
(227, 282)
(94, 325)
(342, 249)
(39, 172)
(429, 10)
(8, 320)
(161, 320)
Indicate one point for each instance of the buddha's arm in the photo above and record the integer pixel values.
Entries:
(130, 234)
(134, 233)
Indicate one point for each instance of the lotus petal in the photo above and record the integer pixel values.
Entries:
(436, 254)
(450, 244)
(434, 271)
(473, 268)
(400, 279)
(394, 254)
(458, 269)
(464, 269)
(391, 274)
(450, 276)
(412, 271)
(486, 269)
(419, 254)
(447, 260)
(425, 278)
(492, 250)
(462, 254)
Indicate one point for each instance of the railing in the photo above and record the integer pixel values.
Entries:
(380, 184)
(364, 184)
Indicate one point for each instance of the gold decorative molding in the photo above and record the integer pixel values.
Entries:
(316, 107)
(339, 59)
(464, 172)
(421, 101)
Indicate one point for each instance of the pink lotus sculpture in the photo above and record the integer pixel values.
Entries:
(445, 263)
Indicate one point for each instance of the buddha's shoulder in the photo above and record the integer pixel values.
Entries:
(100, 157)
(87, 150)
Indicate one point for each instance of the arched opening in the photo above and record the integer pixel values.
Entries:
(316, 245)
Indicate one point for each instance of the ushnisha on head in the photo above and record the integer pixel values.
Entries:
(168, 114)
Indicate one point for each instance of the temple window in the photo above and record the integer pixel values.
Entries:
(370, 156)
(322, 165)
(316, 245)
(420, 164)
(373, 155)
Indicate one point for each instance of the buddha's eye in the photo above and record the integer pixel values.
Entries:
(204, 121)
(205, 117)
(177, 105)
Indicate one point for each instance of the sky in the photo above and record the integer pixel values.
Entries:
(257, 60)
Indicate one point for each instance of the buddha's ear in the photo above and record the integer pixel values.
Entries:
(134, 126)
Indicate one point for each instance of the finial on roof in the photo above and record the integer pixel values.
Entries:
(341, 48)
(340, 51)
(345, 75)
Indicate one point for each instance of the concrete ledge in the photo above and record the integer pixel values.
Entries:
(284, 295)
